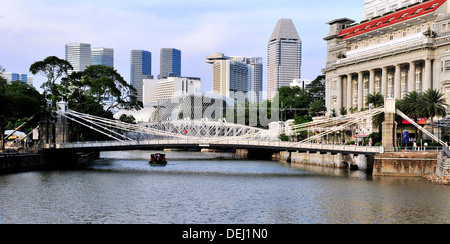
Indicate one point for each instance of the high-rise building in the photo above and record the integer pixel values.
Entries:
(170, 63)
(284, 59)
(256, 77)
(140, 69)
(79, 56)
(10, 77)
(231, 78)
(166, 89)
(103, 56)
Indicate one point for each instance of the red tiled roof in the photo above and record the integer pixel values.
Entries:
(397, 17)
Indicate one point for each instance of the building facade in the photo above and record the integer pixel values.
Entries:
(284, 59)
(140, 69)
(10, 77)
(79, 56)
(393, 54)
(235, 77)
(103, 56)
(256, 77)
(374, 8)
(170, 63)
(166, 89)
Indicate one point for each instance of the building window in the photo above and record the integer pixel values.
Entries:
(447, 65)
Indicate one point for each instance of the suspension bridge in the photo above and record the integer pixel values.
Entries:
(222, 135)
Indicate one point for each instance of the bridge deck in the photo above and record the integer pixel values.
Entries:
(215, 144)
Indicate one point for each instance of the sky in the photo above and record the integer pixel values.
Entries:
(32, 30)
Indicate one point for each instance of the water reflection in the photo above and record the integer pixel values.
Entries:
(213, 188)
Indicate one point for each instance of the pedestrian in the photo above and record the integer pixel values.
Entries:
(415, 146)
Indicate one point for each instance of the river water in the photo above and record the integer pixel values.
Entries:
(214, 188)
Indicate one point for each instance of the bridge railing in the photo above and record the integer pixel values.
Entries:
(208, 142)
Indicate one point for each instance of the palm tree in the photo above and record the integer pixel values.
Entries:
(376, 99)
(433, 105)
(412, 106)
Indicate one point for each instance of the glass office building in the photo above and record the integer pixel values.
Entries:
(170, 63)
(103, 56)
(141, 68)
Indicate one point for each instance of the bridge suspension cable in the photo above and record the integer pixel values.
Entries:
(338, 124)
(420, 128)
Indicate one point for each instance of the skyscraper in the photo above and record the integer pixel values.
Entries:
(231, 78)
(103, 56)
(79, 56)
(284, 59)
(140, 68)
(170, 63)
(10, 77)
(255, 77)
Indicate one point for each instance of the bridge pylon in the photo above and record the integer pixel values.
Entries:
(56, 132)
(389, 134)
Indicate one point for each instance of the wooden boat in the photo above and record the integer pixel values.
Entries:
(158, 159)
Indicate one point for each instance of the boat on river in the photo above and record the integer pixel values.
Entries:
(158, 159)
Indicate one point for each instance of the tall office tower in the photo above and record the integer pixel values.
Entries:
(170, 65)
(255, 77)
(79, 56)
(231, 78)
(284, 57)
(10, 77)
(140, 69)
(103, 56)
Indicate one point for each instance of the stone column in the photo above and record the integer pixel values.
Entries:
(344, 91)
(360, 90)
(372, 82)
(384, 81)
(339, 94)
(349, 93)
(412, 77)
(426, 83)
(397, 82)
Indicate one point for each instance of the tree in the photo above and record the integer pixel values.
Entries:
(18, 100)
(99, 82)
(293, 98)
(317, 106)
(376, 99)
(412, 106)
(54, 69)
(316, 89)
(433, 105)
(127, 119)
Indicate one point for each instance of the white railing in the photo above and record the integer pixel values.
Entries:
(213, 142)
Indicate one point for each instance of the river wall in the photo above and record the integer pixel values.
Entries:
(405, 164)
(339, 160)
(10, 163)
(13, 163)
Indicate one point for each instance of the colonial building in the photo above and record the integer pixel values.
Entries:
(405, 49)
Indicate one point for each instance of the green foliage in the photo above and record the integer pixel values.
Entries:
(99, 82)
(127, 119)
(317, 107)
(18, 100)
(54, 69)
(283, 137)
(317, 88)
(376, 99)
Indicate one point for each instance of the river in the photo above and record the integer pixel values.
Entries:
(214, 188)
